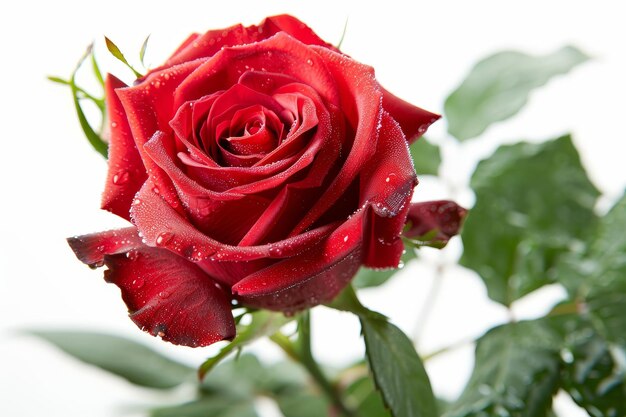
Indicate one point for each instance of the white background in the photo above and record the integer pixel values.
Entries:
(50, 179)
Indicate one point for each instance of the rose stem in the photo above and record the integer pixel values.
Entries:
(301, 352)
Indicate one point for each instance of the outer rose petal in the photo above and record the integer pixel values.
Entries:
(208, 44)
(316, 276)
(162, 226)
(294, 27)
(279, 54)
(126, 170)
(444, 216)
(360, 102)
(148, 107)
(413, 120)
(387, 183)
(171, 297)
(92, 248)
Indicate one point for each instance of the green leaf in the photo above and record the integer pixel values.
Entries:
(397, 370)
(96, 70)
(595, 380)
(426, 157)
(533, 202)
(302, 404)
(115, 51)
(238, 378)
(263, 323)
(499, 85)
(204, 407)
(283, 377)
(367, 399)
(343, 34)
(367, 277)
(348, 301)
(598, 276)
(130, 360)
(142, 51)
(516, 373)
(84, 94)
(94, 138)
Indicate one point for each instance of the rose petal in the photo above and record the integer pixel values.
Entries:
(92, 248)
(148, 107)
(314, 277)
(126, 170)
(170, 297)
(279, 54)
(361, 105)
(283, 213)
(294, 27)
(446, 217)
(387, 183)
(162, 226)
(206, 45)
(413, 120)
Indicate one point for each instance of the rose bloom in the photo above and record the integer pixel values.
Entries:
(259, 166)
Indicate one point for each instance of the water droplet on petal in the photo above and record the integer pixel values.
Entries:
(113, 125)
(275, 251)
(309, 61)
(137, 283)
(132, 255)
(345, 238)
(121, 177)
(164, 238)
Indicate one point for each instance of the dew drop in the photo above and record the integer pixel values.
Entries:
(274, 251)
(136, 202)
(132, 255)
(96, 264)
(137, 283)
(164, 238)
(309, 61)
(345, 238)
(113, 125)
(121, 177)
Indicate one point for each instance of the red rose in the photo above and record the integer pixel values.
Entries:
(259, 164)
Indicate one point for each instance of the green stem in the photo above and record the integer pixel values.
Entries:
(429, 303)
(445, 349)
(301, 352)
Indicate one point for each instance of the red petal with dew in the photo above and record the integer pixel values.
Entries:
(171, 297)
(315, 276)
(387, 184)
(413, 120)
(126, 170)
(445, 217)
(91, 249)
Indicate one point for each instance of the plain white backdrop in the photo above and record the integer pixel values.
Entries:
(50, 179)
